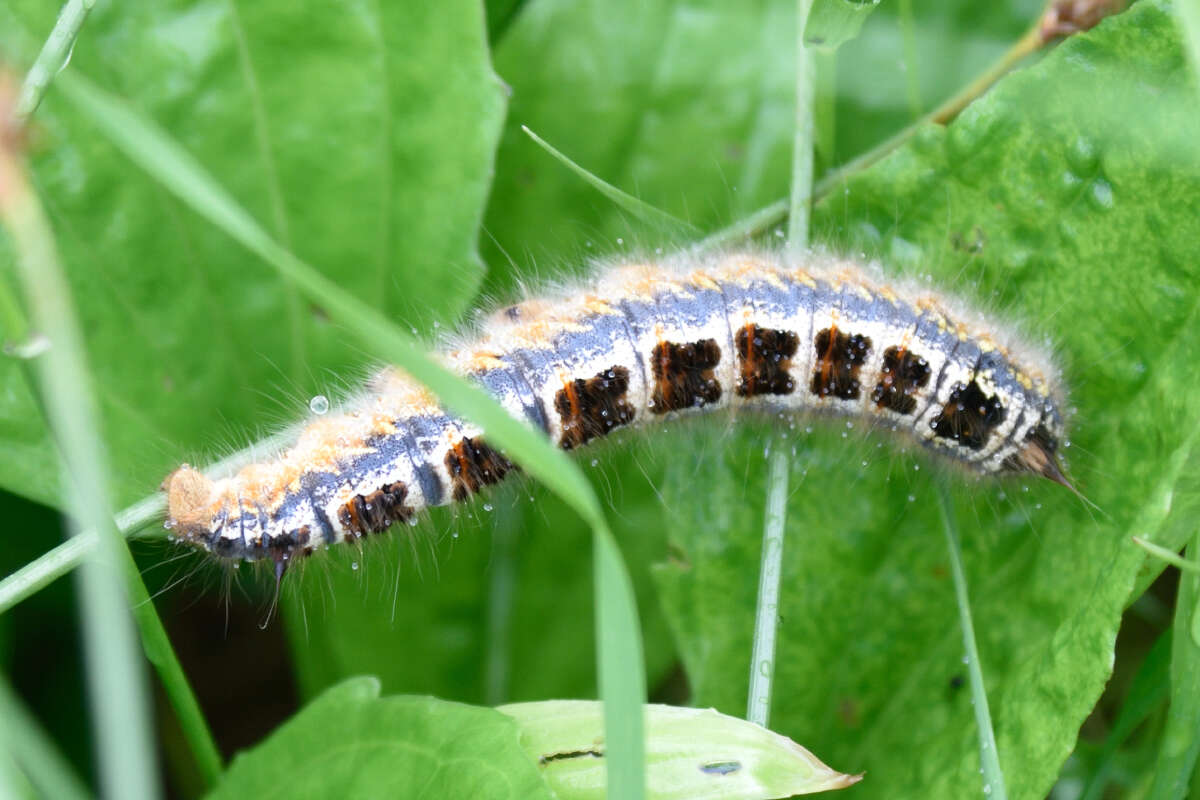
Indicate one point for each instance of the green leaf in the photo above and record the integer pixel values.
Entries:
(685, 107)
(350, 742)
(1070, 195)
(690, 753)
(834, 22)
(340, 128)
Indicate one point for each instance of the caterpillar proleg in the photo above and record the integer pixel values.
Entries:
(644, 341)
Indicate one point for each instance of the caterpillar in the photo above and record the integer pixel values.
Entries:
(641, 342)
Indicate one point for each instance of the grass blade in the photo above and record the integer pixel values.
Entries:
(766, 616)
(41, 572)
(33, 751)
(120, 703)
(766, 620)
(989, 758)
(638, 208)
(621, 677)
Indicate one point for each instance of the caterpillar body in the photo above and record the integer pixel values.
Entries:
(644, 341)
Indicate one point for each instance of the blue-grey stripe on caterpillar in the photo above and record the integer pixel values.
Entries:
(641, 342)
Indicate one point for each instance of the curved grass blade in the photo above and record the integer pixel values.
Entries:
(638, 208)
(621, 671)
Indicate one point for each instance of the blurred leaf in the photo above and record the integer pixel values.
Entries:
(1036, 199)
(833, 22)
(350, 742)
(691, 754)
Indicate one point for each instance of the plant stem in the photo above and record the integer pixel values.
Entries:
(52, 58)
(800, 206)
(989, 758)
(762, 659)
(1169, 556)
(33, 751)
(766, 617)
(774, 213)
(119, 698)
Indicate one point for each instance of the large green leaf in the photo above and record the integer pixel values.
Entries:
(350, 742)
(343, 130)
(1071, 195)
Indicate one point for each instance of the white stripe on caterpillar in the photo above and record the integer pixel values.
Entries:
(641, 342)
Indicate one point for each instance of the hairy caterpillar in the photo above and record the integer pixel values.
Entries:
(643, 341)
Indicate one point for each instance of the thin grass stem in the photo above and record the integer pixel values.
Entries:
(638, 208)
(766, 613)
(800, 204)
(52, 58)
(116, 680)
(1169, 556)
(34, 752)
(775, 213)
(989, 758)
(762, 659)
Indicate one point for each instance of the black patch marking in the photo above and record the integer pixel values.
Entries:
(593, 407)
(904, 372)
(764, 357)
(472, 465)
(375, 512)
(683, 375)
(969, 417)
(840, 356)
(567, 756)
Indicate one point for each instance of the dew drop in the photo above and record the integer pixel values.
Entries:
(353, 565)
(1102, 193)
(32, 347)
(1082, 156)
(595, 462)
(319, 404)
(487, 507)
